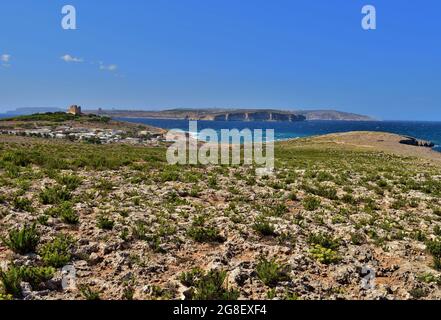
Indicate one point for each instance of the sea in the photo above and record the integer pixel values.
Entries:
(425, 130)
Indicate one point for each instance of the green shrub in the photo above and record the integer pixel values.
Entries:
(324, 255)
(104, 185)
(399, 203)
(327, 192)
(348, 198)
(57, 253)
(71, 182)
(88, 293)
(139, 230)
(155, 242)
(357, 238)
(205, 234)
(65, 212)
(429, 278)
(36, 275)
(128, 289)
(311, 203)
(11, 280)
(322, 191)
(324, 240)
(22, 204)
(161, 293)
(4, 297)
(173, 198)
(434, 248)
(418, 293)
(271, 294)
(437, 230)
(293, 196)
(263, 227)
(211, 287)
(212, 182)
(419, 235)
(370, 206)
(23, 240)
(190, 278)
(414, 203)
(105, 223)
(382, 184)
(54, 195)
(68, 214)
(290, 296)
(277, 210)
(169, 175)
(12, 171)
(270, 272)
(324, 176)
(124, 234)
(43, 219)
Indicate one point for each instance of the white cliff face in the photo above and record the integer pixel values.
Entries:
(258, 116)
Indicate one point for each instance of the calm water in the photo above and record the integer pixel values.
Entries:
(283, 130)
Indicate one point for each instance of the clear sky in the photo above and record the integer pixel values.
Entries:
(288, 54)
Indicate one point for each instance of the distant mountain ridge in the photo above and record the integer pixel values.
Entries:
(221, 114)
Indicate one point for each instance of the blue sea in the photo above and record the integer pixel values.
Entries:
(286, 130)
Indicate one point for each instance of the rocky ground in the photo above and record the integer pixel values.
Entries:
(340, 219)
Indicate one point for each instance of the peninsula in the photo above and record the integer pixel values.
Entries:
(234, 114)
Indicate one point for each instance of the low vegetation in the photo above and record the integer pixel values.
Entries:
(135, 227)
(270, 272)
(22, 240)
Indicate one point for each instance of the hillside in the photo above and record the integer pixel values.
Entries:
(134, 227)
(333, 115)
(54, 119)
(88, 128)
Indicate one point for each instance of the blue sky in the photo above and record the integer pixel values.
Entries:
(286, 54)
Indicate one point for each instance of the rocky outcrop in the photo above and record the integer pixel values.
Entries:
(418, 143)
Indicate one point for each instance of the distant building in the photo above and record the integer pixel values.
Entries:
(75, 110)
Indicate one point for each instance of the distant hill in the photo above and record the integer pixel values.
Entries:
(57, 117)
(333, 115)
(28, 111)
(221, 114)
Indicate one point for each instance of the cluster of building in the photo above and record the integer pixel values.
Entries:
(92, 135)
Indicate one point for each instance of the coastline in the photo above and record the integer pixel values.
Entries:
(341, 127)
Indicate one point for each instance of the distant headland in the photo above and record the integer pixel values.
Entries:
(235, 114)
(209, 114)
